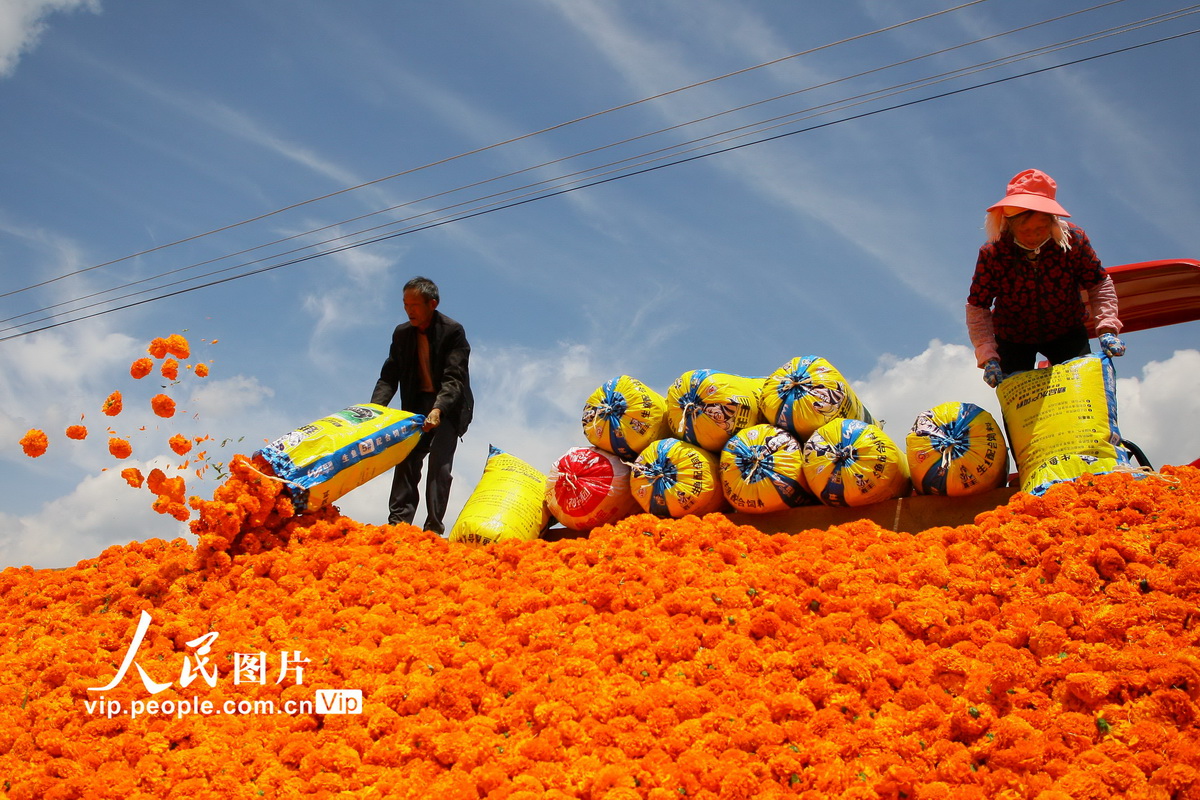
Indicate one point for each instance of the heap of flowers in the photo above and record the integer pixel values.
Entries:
(1047, 651)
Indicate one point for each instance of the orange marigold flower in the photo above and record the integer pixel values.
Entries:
(202, 370)
(170, 369)
(163, 405)
(178, 346)
(77, 432)
(141, 368)
(34, 442)
(112, 404)
(120, 448)
(158, 347)
(180, 444)
(133, 476)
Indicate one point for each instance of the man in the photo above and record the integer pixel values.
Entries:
(428, 363)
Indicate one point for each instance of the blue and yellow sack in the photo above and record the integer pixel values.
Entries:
(762, 470)
(807, 392)
(706, 407)
(1062, 421)
(623, 416)
(673, 478)
(327, 458)
(848, 462)
(956, 449)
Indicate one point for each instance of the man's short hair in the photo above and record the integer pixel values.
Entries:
(425, 287)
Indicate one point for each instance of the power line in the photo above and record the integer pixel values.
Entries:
(562, 159)
(644, 157)
(496, 145)
(609, 179)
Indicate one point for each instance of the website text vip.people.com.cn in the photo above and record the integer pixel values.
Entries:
(324, 701)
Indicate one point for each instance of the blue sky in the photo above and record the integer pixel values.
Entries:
(130, 129)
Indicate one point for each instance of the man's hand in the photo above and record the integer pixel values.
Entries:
(992, 374)
(432, 420)
(1111, 346)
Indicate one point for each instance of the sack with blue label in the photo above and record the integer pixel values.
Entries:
(956, 450)
(325, 459)
(674, 478)
(762, 470)
(848, 462)
(807, 392)
(1062, 421)
(706, 407)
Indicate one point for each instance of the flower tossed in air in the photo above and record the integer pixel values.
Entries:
(141, 368)
(132, 476)
(202, 370)
(163, 406)
(170, 369)
(112, 404)
(76, 432)
(34, 442)
(119, 448)
(180, 444)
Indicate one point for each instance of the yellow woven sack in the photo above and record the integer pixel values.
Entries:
(1062, 421)
(956, 449)
(623, 416)
(807, 392)
(762, 470)
(588, 487)
(509, 502)
(848, 462)
(705, 407)
(673, 478)
(327, 458)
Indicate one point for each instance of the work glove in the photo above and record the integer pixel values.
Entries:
(992, 374)
(1111, 346)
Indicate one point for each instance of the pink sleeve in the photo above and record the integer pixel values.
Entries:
(1103, 301)
(979, 328)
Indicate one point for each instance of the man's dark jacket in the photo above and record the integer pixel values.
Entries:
(449, 354)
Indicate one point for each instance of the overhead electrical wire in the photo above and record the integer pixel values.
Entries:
(593, 179)
(844, 104)
(506, 142)
(590, 151)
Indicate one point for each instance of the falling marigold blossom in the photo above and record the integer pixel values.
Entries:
(170, 369)
(202, 370)
(34, 442)
(76, 432)
(180, 444)
(178, 346)
(132, 476)
(112, 404)
(163, 406)
(140, 368)
(157, 347)
(119, 448)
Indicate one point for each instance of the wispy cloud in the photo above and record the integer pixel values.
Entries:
(23, 23)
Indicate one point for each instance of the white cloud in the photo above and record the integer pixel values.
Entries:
(103, 510)
(1159, 410)
(224, 398)
(22, 23)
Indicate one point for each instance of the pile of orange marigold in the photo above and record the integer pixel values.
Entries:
(1047, 651)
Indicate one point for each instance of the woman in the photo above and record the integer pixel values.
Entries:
(1026, 293)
